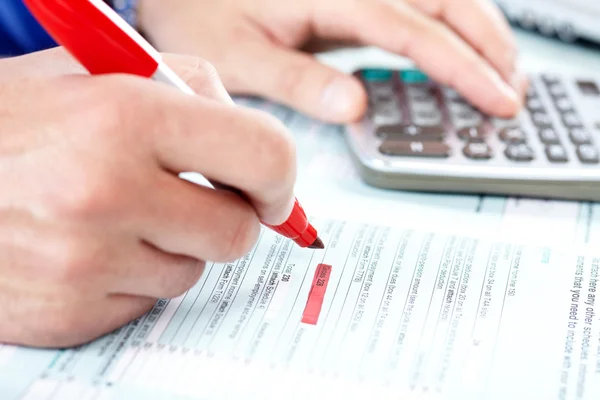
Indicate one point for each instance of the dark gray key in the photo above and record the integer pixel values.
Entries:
(556, 153)
(549, 136)
(541, 120)
(519, 152)
(512, 135)
(564, 105)
(535, 104)
(580, 136)
(478, 151)
(588, 154)
(415, 149)
(572, 120)
(412, 132)
(471, 134)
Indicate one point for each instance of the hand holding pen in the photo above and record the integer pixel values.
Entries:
(95, 222)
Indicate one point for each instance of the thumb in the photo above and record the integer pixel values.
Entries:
(199, 74)
(302, 82)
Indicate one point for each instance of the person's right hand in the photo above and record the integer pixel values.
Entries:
(95, 223)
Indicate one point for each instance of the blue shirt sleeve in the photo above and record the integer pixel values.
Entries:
(19, 31)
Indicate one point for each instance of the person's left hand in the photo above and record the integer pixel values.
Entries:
(254, 44)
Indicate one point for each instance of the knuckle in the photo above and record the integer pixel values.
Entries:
(240, 236)
(181, 283)
(437, 8)
(91, 196)
(71, 262)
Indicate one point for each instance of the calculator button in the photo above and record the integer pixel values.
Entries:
(549, 136)
(420, 97)
(512, 135)
(471, 133)
(382, 94)
(413, 76)
(557, 90)
(478, 151)
(415, 149)
(564, 105)
(465, 116)
(377, 75)
(571, 120)
(425, 118)
(519, 152)
(541, 120)
(451, 94)
(556, 153)
(588, 154)
(412, 132)
(386, 116)
(535, 104)
(550, 79)
(531, 91)
(502, 123)
(580, 136)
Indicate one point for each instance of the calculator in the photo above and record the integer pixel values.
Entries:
(420, 135)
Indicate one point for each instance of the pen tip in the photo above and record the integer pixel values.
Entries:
(317, 244)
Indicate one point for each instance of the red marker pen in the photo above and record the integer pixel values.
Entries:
(104, 43)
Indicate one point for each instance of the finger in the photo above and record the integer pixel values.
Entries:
(245, 149)
(200, 75)
(399, 28)
(144, 270)
(198, 222)
(300, 81)
(482, 25)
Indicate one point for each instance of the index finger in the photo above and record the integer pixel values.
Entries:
(243, 149)
(441, 53)
(482, 25)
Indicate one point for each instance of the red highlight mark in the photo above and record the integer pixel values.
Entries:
(316, 295)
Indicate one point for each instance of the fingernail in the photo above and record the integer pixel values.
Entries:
(518, 81)
(339, 99)
(508, 93)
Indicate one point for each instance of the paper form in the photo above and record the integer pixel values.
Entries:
(177, 348)
(404, 312)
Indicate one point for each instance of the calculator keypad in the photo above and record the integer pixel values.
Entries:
(415, 117)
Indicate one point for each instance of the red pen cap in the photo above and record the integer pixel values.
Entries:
(297, 227)
(96, 36)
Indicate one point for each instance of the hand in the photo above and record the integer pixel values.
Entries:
(254, 45)
(95, 223)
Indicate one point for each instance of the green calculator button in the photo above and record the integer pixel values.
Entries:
(413, 76)
(377, 75)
